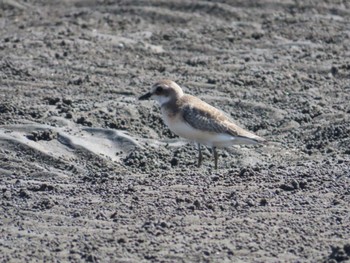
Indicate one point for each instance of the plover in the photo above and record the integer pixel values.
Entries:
(193, 119)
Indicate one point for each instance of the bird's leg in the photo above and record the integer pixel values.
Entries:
(200, 157)
(215, 153)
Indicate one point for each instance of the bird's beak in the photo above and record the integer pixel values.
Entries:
(146, 96)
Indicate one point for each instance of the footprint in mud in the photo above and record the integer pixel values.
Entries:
(58, 142)
(64, 141)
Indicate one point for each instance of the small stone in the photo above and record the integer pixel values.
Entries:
(174, 161)
(197, 204)
(23, 194)
(121, 241)
(163, 225)
(263, 202)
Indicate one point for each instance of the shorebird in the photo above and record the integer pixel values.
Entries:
(193, 119)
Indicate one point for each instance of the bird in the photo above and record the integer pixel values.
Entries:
(193, 119)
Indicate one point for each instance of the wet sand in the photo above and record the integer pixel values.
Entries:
(89, 173)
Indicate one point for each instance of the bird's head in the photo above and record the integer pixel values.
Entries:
(163, 92)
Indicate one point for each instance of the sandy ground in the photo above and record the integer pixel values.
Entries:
(89, 173)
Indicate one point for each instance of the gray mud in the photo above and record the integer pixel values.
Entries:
(89, 173)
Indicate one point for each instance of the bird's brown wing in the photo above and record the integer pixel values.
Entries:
(205, 120)
(204, 117)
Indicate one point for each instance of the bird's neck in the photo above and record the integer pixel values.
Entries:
(171, 107)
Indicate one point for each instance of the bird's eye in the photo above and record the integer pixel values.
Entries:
(159, 90)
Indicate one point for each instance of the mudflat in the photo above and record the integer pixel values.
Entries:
(89, 173)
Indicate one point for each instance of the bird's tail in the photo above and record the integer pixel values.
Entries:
(259, 139)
